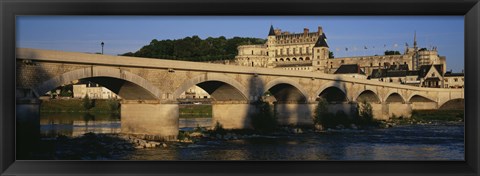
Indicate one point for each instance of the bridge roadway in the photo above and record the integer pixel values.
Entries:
(150, 88)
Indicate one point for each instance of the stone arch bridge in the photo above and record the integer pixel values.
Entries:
(150, 88)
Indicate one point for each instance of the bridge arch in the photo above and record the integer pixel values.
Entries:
(394, 97)
(285, 89)
(336, 87)
(219, 86)
(124, 83)
(457, 103)
(419, 98)
(368, 95)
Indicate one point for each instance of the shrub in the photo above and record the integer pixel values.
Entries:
(113, 104)
(88, 103)
(321, 111)
(264, 120)
(218, 129)
(366, 112)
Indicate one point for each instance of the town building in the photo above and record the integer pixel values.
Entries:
(309, 51)
(94, 91)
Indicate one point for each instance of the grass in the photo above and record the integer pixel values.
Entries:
(194, 111)
(75, 105)
(442, 115)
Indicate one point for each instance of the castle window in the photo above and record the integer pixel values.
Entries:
(343, 61)
(252, 52)
(276, 60)
(318, 50)
(301, 59)
(371, 64)
(281, 59)
(318, 57)
(301, 50)
(446, 80)
(433, 74)
(307, 58)
(288, 59)
(308, 51)
(294, 59)
(455, 79)
(318, 62)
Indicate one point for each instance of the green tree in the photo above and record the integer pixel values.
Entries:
(88, 103)
(331, 55)
(366, 111)
(388, 52)
(264, 120)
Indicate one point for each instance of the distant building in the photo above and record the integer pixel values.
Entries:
(453, 80)
(351, 70)
(93, 92)
(309, 51)
(195, 92)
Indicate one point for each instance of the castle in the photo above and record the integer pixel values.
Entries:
(309, 51)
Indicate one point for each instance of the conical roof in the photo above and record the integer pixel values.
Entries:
(322, 41)
(272, 32)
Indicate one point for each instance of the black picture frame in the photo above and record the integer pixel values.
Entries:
(10, 9)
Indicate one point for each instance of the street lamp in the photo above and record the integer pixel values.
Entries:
(102, 46)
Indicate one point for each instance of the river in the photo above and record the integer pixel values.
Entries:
(436, 141)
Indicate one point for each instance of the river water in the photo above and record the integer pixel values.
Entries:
(436, 141)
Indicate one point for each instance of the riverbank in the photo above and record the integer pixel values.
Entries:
(76, 105)
(428, 117)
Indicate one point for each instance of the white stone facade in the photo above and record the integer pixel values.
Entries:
(81, 90)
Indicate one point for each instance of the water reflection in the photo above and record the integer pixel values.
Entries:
(77, 124)
(410, 142)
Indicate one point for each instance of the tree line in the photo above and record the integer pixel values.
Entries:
(194, 48)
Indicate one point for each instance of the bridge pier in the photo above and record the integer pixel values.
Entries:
(294, 114)
(152, 121)
(233, 115)
(398, 109)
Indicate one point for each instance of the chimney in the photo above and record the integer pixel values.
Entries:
(320, 30)
(305, 31)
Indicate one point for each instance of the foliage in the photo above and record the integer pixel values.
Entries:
(88, 103)
(331, 55)
(113, 104)
(218, 129)
(321, 111)
(365, 111)
(388, 52)
(264, 120)
(194, 48)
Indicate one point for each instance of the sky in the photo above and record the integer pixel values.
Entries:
(123, 34)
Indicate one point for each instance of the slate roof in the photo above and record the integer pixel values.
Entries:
(322, 41)
(424, 69)
(272, 32)
(450, 74)
(349, 69)
(399, 67)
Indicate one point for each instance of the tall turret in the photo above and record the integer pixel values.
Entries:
(320, 53)
(271, 42)
(415, 59)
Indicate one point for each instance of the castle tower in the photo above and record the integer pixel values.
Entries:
(271, 42)
(320, 53)
(415, 59)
